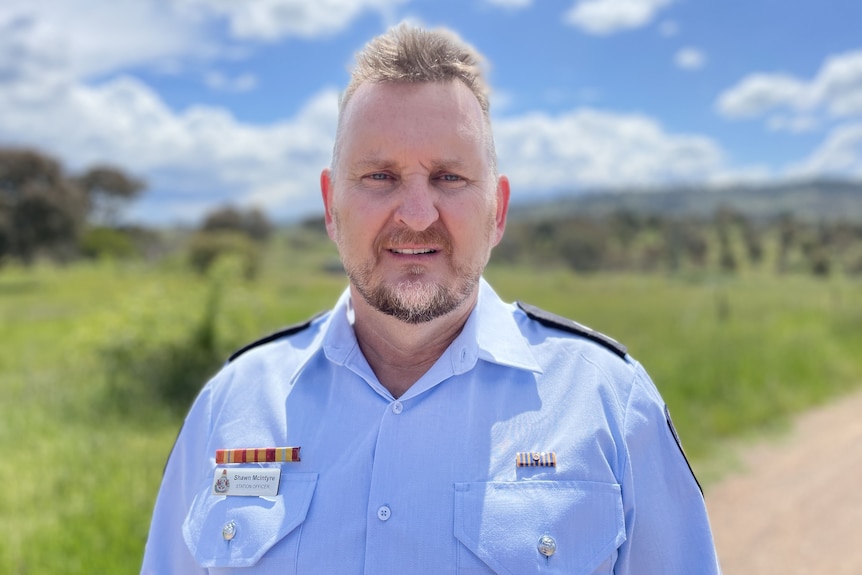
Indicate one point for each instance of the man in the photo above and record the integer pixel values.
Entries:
(423, 425)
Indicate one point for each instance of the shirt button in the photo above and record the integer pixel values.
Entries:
(397, 407)
(384, 513)
(547, 546)
(229, 530)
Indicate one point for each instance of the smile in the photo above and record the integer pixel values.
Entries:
(413, 252)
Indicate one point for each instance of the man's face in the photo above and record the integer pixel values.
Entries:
(413, 205)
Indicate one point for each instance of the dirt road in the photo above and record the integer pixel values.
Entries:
(796, 506)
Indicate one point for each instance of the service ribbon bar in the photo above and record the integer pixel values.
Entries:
(536, 459)
(257, 455)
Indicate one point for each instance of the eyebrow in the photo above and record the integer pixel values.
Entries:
(452, 164)
(373, 162)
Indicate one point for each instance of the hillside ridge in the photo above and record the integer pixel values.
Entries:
(813, 200)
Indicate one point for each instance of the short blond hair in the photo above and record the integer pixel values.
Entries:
(407, 54)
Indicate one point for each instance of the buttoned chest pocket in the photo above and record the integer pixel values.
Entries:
(237, 531)
(542, 527)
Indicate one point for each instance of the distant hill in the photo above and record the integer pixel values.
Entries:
(819, 200)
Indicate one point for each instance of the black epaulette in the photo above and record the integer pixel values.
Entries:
(552, 320)
(289, 330)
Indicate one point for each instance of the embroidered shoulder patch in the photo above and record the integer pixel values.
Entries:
(284, 332)
(549, 319)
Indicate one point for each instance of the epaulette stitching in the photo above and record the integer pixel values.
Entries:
(552, 320)
(284, 332)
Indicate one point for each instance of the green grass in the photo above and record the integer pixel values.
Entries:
(731, 357)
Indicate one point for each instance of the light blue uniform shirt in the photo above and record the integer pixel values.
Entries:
(428, 482)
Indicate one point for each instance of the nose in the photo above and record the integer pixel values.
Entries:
(417, 208)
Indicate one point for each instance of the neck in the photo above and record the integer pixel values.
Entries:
(400, 353)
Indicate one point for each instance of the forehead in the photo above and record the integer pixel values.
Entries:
(413, 117)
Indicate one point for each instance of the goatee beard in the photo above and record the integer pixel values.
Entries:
(416, 301)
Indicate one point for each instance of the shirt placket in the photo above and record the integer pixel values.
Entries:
(387, 522)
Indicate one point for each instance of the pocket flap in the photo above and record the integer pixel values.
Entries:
(258, 522)
(502, 523)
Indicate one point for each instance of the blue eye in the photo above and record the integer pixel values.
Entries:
(379, 176)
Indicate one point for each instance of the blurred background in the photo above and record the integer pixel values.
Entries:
(686, 176)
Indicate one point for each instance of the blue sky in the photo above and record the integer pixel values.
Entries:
(217, 101)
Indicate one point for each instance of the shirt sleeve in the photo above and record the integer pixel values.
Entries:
(166, 551)
(667, 528)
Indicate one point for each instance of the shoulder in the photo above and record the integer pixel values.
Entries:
(557, 322)
(277, 335)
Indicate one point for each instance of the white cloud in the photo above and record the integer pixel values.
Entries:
(797, 124)
(838, 85)
(603, 17)
(512, 4)
(840, 155)
(88, 38)
(834, 92)
(760, 93)
(84, 38)
(588, 148)
(689, 59)
(242, 83)
(275, 19)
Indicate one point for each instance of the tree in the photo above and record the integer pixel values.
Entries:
(753, 242)
(43, 211)
(108, 191)
(788, 233)
(252, 223)
(685, 241)
(40, 210)
(208, 247)
(725, 219)
(19, 167)
(46, 220)
(231, 232)
(582, 244)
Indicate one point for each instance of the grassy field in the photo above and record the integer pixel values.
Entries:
(732, 356)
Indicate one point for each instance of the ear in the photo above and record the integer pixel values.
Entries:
(326, 192)
(502, 207)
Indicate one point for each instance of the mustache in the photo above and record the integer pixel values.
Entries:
(435, 235)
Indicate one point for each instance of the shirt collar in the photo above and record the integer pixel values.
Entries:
(340, 341)
(498, 338)
(490, 334)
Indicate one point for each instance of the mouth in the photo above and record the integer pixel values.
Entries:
(412, 251)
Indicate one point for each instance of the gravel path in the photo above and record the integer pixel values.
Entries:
(796, 505)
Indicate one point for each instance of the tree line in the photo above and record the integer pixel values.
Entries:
(728, 241)
(46, 212)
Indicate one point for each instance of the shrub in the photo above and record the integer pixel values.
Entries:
(107, 242)
(582, 244)
(206, 248)
(252, 222)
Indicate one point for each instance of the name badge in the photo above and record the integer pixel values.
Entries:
(246, 482)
